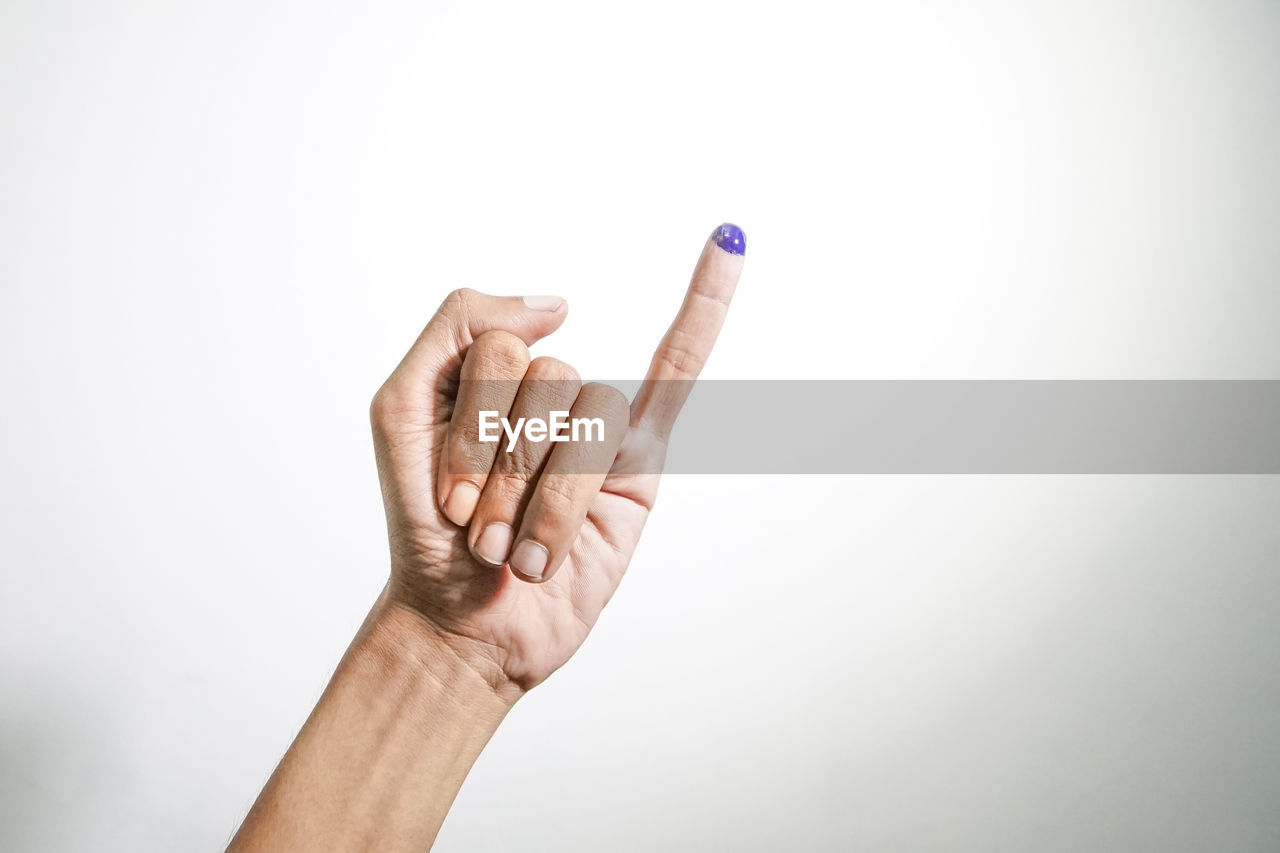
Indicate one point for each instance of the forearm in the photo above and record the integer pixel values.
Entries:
(379, 761)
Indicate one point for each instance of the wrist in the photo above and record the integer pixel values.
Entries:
(466, 674)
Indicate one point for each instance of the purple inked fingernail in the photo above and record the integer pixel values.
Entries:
(730, 238)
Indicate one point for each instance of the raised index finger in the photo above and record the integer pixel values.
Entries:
(687, 345)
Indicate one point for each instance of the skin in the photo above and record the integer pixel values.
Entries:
(464, 629)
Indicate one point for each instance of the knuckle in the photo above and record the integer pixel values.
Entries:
(680, 352)
(464, 437)
(469, 456)
(715, 288)
(555, 499)
(500, 352)
(521, 462)
(607, 400)
(550, 384)
(546, 368)
(384, 406)
(458, 301)
(507, 489)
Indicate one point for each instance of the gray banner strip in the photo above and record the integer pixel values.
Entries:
(978, 427)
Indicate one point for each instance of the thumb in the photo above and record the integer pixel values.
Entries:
(462, 317)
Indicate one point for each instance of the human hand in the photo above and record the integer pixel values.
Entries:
(510, 557)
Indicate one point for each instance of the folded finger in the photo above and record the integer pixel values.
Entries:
(569, 483)
(549, 386)
(491, 373)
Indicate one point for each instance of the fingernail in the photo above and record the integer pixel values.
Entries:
(461, 503)
(530, 559)
(494, 543)
(730, 238)
(544, 303)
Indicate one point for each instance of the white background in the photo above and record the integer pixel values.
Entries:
(221, 224)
